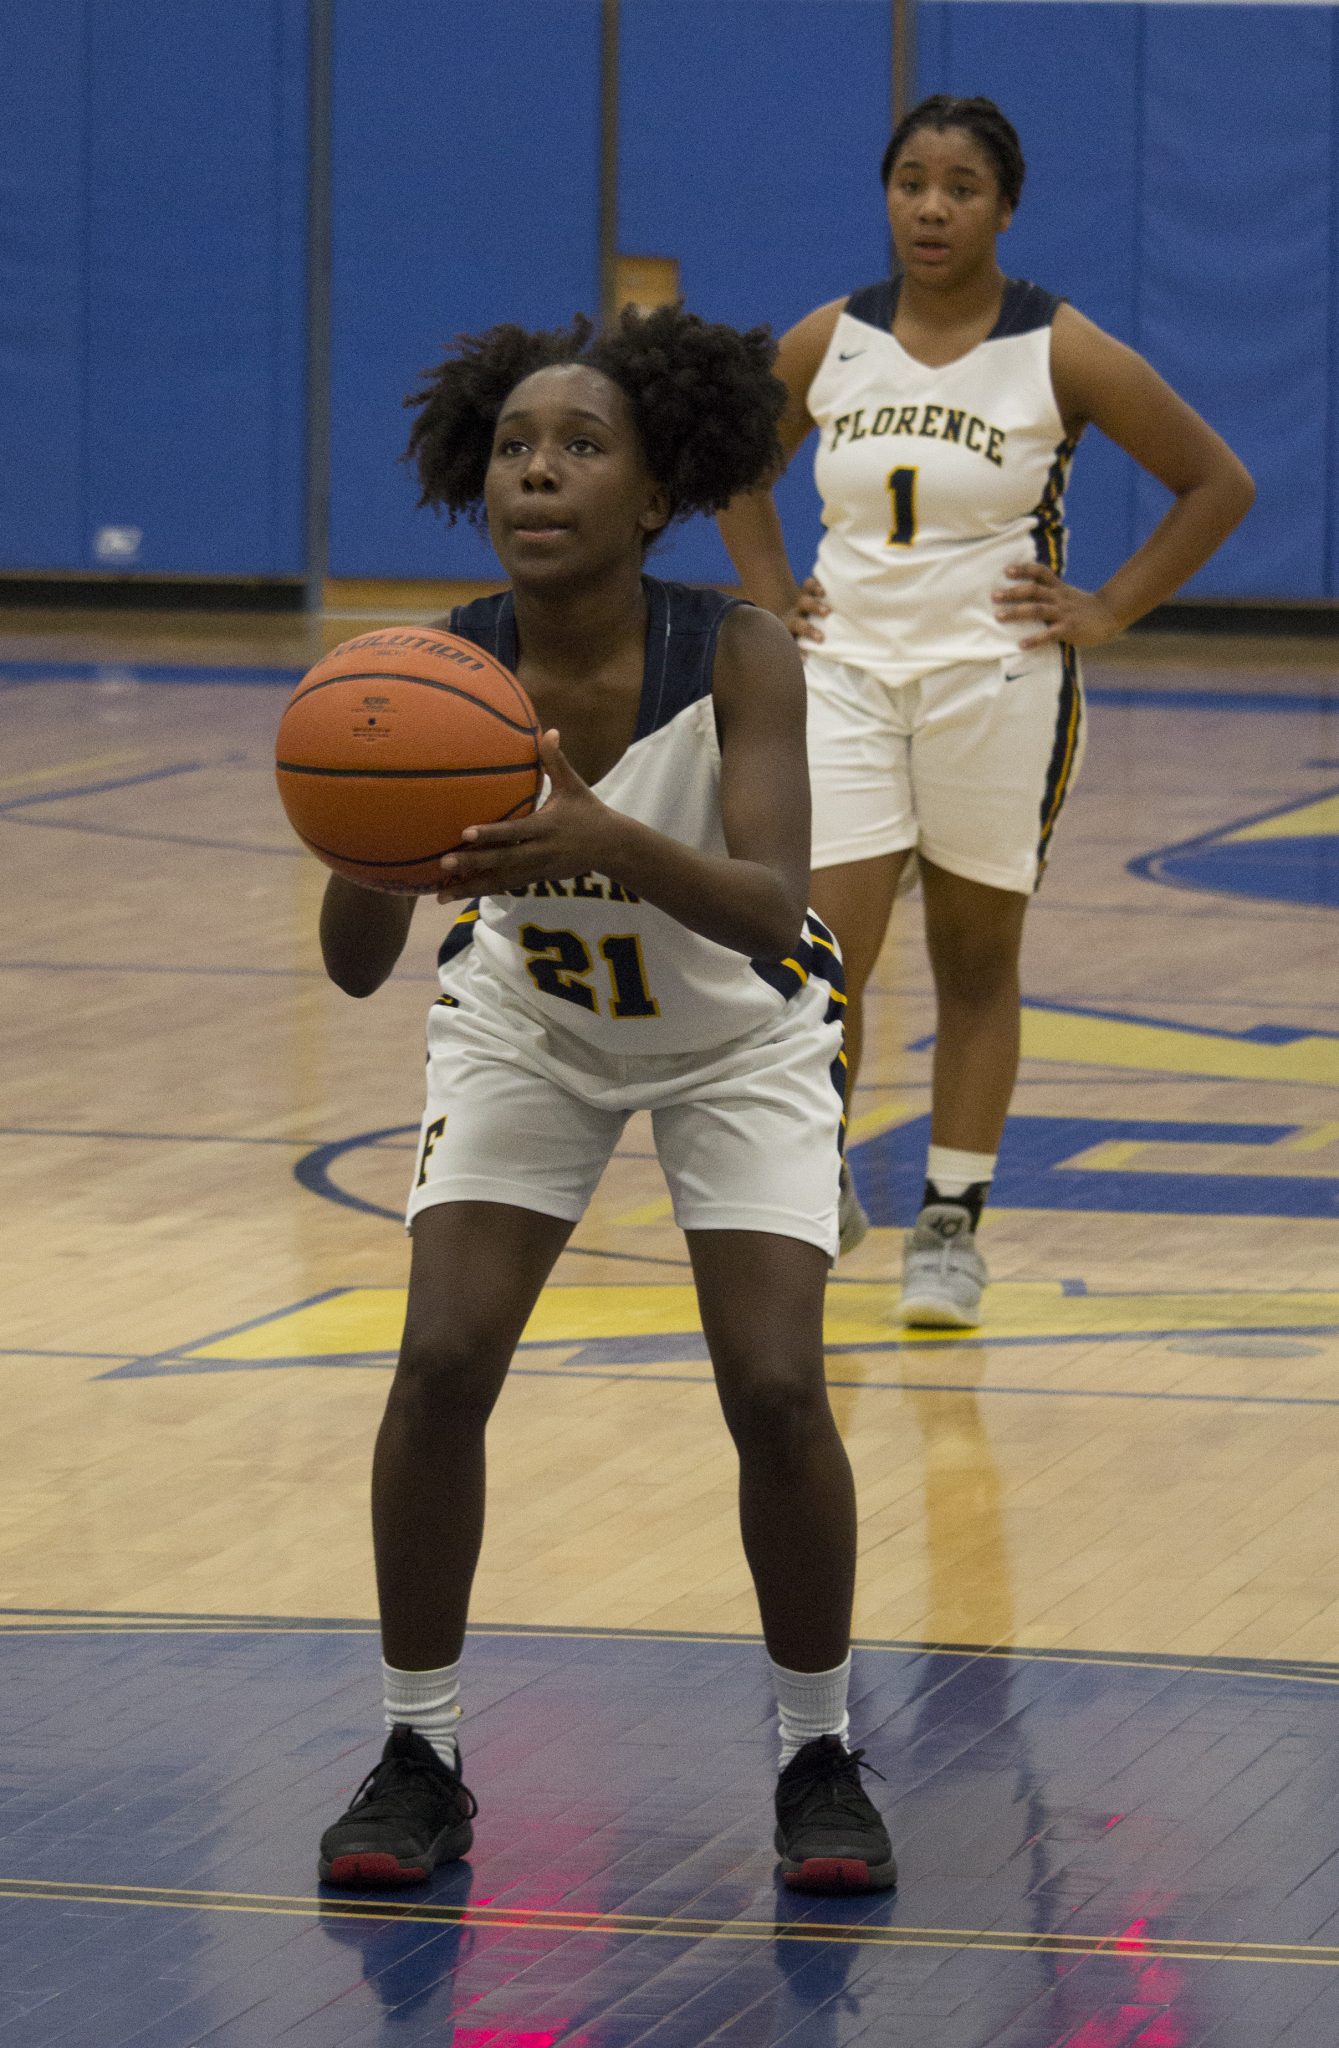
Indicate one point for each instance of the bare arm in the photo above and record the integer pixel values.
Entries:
(1099, 381)
(363, 933)
(753, 899)
(749, 525)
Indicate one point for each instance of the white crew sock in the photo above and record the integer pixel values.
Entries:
(810, 1704)
(430, 1702)
(954, 1172)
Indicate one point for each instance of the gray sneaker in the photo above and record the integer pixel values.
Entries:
(942, 1270)
(852, 1222)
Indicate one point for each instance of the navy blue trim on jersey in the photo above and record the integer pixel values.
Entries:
(1023, 309)
(1048, 527)
(461, 933)
(815, 958)
(874, 304)
(490, 622)
(1064, 750)
(682, 628)
(683, 624)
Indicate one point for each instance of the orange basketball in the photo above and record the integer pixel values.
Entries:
(397, 741)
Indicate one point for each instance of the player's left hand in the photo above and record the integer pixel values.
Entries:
(568, 835)
(1035, 592)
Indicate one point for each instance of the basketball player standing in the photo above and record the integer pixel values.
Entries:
(941, 641)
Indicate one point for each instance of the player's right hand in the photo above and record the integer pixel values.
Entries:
(810, 606)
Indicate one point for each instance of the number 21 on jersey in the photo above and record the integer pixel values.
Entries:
(561, 964)
(902, 493)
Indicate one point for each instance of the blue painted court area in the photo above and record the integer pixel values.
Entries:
(1096, 1852)
(1035, 1172)
(1287, 855)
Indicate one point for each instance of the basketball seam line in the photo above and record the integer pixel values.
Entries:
(404, 860)
(407, 774)
(427, 683)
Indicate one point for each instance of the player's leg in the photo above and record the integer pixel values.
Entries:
(974, 935)
(506, 1164)
(995, 753)
(761, 1301)
(855, 901)
(750, 1152)
(476, 1273)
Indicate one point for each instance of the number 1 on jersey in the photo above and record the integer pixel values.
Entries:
(902, 491)
(627, 972)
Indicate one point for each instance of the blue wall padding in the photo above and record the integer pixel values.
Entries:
(1069, 78)
(465, 191)
(153, 349)
(196, 284)
(1332, 325)
(750, 139)
(1234, 265)
(41, 288)
(1183, 193)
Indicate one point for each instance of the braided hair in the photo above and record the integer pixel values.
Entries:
(984, 123)
(703, 400)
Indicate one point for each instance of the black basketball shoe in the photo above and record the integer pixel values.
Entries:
(828, 1833)
(408, 1815)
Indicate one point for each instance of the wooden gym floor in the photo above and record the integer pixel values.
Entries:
(1099, 1591)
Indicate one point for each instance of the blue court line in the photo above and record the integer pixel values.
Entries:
(133, 1621)
(312, 1171)
(41, 1351)
(616, 1358)
(146, 1137)
(142, 1137)
(1219, 834)
(17, 673)
(1129, 697)
(1119, 696)
(178, 967)
(62, 796)
(157, 838)
(1257, 1034)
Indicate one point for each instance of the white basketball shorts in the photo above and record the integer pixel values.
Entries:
(969, 764)
(520, 1111)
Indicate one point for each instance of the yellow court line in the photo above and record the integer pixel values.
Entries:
(1314, 1140)
(1316, 819)
(1111, 1157)
(658, 1211)
(871, 1122)
(61, 769)
(1083, 1038)
(365, 1322)
(638, 1926)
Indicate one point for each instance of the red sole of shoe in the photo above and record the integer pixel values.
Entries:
(380, 1871)
(829, 1874)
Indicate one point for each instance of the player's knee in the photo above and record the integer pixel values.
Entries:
(772, 1409)
(973, 977)
(443, 1376)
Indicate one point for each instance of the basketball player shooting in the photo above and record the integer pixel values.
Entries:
(641, 942)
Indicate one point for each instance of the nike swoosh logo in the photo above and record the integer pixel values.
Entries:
(846, 355)
(1018, 672)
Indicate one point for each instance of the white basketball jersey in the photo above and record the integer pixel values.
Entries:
(586, 954)
(933, 480)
